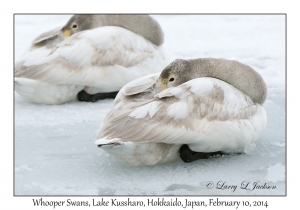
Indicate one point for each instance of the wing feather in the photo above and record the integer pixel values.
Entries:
(48, 35)
(140, 85)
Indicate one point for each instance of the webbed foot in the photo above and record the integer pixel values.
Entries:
(187, 155)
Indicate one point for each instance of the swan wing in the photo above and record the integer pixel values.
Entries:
(177, 115)
(48, 35)
(41, 47)
(88, 56)
(140, 85)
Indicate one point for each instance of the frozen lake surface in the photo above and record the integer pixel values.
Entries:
(55, 152)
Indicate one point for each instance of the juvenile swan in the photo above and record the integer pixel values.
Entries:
(192, 109)
(90, 58)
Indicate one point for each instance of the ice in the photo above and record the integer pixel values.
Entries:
(55, 152)
(276, 173)
(250, 148)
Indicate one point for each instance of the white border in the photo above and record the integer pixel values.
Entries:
(8, 201)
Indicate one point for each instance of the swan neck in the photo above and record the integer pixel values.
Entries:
(143, 25)
(236, 74)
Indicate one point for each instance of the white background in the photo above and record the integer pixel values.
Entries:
(235, 6)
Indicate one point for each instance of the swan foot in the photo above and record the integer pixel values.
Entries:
(84, 96)
(187, 155)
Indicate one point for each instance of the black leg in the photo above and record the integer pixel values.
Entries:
(84, 96)
(187, 155)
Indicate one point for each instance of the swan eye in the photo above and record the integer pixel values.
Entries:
(171, 79)
(74, 26)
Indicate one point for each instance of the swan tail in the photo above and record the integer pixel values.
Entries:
(103, 142)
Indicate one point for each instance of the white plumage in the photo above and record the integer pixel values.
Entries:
(98, 60)
(149, 126)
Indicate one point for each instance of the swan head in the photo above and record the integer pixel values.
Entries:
(175, 74)
(79, 23)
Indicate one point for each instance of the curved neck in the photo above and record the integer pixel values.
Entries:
(237, 74)
(143, 25)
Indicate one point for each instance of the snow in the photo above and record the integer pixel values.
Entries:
(55, 152)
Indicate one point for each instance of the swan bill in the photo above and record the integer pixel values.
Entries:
(67, 33)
